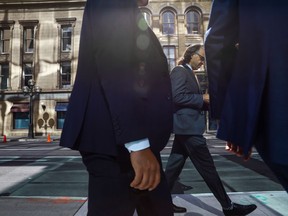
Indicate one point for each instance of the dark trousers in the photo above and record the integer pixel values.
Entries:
(196, 149)
(110, 194)
(280, 170)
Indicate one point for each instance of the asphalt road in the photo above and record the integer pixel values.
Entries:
(40, 178)
(41, 168)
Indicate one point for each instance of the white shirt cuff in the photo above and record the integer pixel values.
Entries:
(138, 145)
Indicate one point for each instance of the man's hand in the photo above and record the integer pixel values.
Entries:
(238, 151)
(206, 98)
(146, 168)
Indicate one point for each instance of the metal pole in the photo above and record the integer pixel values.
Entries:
(31, 89)
(31, 133)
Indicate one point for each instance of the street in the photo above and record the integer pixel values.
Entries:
(40, 169)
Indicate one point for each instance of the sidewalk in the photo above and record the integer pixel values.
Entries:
(25, 139)
(269, 204)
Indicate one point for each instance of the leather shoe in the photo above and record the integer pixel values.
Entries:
(178, 209)
(186, 187)
(239, 210)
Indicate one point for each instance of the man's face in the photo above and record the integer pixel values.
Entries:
(142, 2)
(197, 60)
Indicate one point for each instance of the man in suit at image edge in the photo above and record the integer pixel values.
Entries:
(247, 48)
(120, 111)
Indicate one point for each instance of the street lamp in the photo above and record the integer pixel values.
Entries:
(31, 90)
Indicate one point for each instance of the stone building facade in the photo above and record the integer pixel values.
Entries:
(39, 40)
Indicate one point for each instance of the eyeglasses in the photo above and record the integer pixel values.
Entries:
(202, 58)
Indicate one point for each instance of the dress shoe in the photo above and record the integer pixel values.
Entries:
(178, 209)
(185, 187)
(239, 210)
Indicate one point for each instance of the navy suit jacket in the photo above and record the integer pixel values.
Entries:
(188, 118)
(122, 91)
(248, 86)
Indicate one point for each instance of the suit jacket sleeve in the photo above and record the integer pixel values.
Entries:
(181, 96)
(116, 56)
(220, 40)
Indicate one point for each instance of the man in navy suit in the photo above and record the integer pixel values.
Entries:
(247, 48)
(120, 111)
(189, 127)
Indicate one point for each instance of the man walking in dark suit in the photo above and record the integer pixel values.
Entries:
(120, 111)
(189, 126)
(248, 84)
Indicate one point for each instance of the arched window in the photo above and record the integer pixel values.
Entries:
(168, 23)
(147, 17)
(170, 52)
(193, 21)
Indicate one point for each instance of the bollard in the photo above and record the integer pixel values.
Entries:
(4, 139)
(48, 138)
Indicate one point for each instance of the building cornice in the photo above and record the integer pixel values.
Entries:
(40, 4)
(13, 2)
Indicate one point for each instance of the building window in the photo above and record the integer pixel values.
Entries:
(20, 120)
(27, 73)
(4, 76)
(61, 109)
(28, 29)
(168, 23)
(147, 17)
(5, 40)
(20, 115)
(66, 53)
(170, 52)
(28, 39)
(66, 38)
(65, 74)
(60, 119)
(66, 26)
(193, 21)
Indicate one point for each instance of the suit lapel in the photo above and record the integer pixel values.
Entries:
(193, 75)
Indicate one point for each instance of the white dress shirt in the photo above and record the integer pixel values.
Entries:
(138, 145)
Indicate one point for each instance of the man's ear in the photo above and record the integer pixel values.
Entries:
(142, 2)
